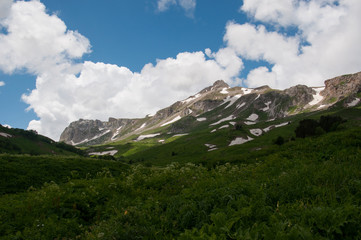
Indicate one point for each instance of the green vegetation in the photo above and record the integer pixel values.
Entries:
(296, 192)
(274, 187)
(20, 172)
(22, 141)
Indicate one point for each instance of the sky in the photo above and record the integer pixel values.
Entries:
(65, 60)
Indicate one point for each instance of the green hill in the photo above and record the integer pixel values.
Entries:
(19, 141)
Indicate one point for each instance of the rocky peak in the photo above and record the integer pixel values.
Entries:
(340, 87)
(220, 84)
(300, 94)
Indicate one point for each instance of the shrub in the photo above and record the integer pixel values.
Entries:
(279, 140)
(306, 127)
(330, 123)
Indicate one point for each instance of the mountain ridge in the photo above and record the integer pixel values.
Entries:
(236, 102)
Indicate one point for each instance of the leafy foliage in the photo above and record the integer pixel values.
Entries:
(296, 192)
(311, 127)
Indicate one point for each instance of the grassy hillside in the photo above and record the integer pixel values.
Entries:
(166, 148)
(20, 172)
(19, 141)
(305, 189)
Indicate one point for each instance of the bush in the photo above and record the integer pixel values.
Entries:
(330, 123)
(306, 127)
(310, 127)
(279, 140)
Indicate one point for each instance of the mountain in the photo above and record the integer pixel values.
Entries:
(219, 104)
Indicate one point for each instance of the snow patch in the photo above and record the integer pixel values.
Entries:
(141, 137)
(201, 119)
(224, 91)
(282, 124)
(224, 126)
(267, 129)
(111, 153)
(258, 96)
(171, 121)
(232, 100)
(214, 130)
(180, 135)
(7, 126)
(353, 103)
(116, 133)
(240, 105)
(143, 125)
(257, 132)
(161, 141)
(233, 123)
(223, 120)
(317, 98)
(246, 91)
(252, 117)
(211, 147)
(240, 140)
(267, 106)
(191, 98)
(249, 123)
(6, 135)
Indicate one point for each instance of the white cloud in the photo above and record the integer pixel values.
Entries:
(325, 43)
(259, 77)
(36, 41)
(256, 43)
(163, 5)
(5, 6)
(104, 90)
(2, 83)
(188, 5)
(41, 44)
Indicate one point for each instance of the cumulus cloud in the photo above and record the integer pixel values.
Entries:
(188, 5)
(36, 41)
(67, 90)
(104, 90)
(5, 6)
(2, 83)
(324, 45)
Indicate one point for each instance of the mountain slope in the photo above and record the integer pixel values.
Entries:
(19, 141)
(218, 104)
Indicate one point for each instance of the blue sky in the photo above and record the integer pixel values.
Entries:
(65, 60)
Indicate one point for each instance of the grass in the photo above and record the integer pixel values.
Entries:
(293, 191)
(304, 189)
(20, 172)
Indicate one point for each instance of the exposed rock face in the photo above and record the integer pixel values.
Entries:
(219, 84)
(216, 102)
(300, 94)
(340, 87)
